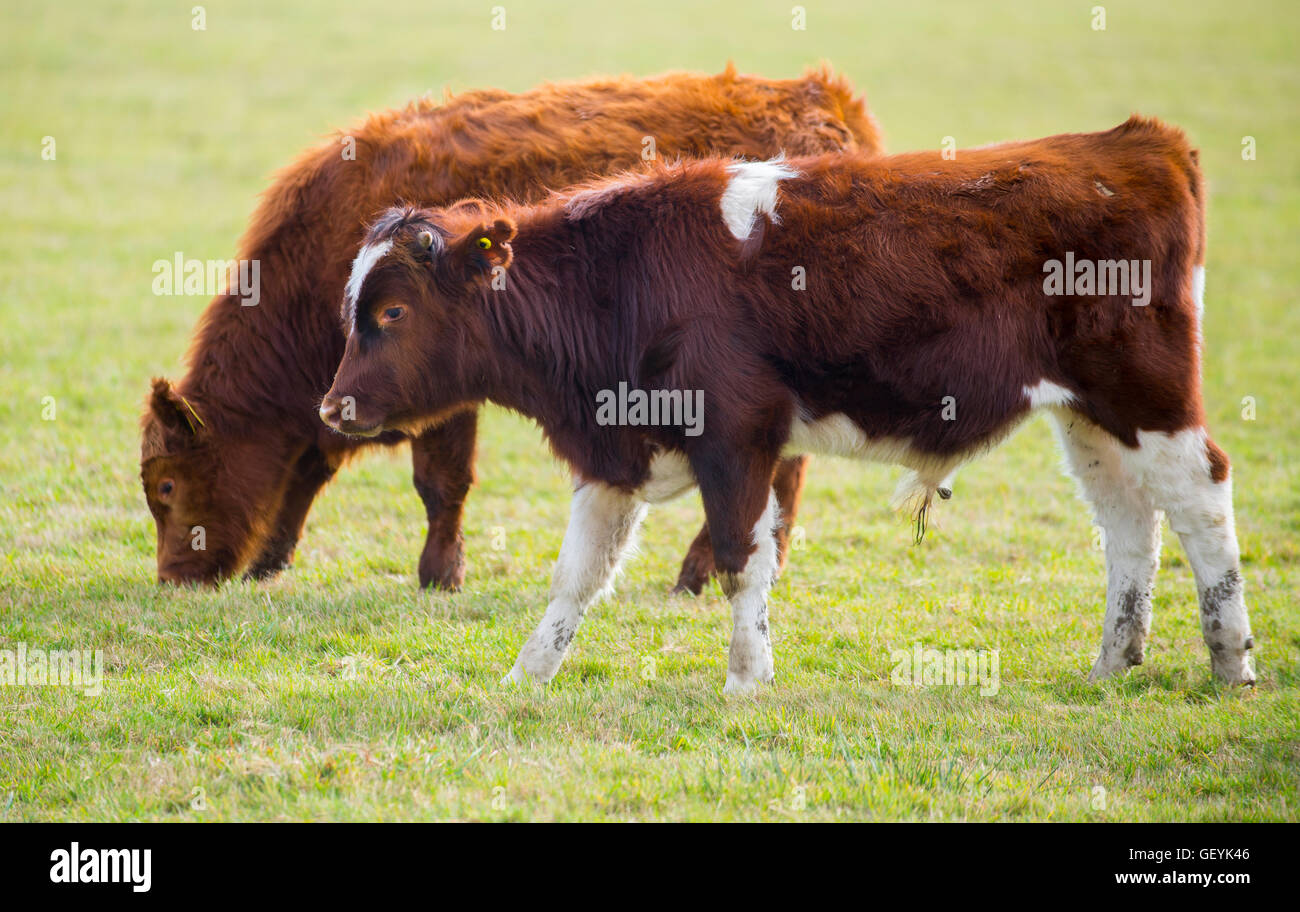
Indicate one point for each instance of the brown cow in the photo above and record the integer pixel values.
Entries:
(235, 447)
(937, 314)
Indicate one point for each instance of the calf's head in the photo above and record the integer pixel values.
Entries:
(415, 317)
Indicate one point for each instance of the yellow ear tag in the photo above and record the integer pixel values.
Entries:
(193, 429)
(484, 243)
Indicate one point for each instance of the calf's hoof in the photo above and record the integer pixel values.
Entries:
(745, 686)
(1232, 666)
(516, 677)
(537, 662)
(737, 687)
(1110, 664)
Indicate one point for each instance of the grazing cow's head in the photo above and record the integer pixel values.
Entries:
(201, 494)
(414, 314)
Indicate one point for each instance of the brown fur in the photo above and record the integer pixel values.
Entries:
(1218, 462)
(250, 470)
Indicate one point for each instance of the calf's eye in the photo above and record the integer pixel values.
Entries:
(392, 314)
(165, 487)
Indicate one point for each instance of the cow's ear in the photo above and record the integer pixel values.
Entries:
(487, 247)
(173, 410)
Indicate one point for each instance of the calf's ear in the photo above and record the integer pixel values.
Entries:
(487, 247)
(172, 409)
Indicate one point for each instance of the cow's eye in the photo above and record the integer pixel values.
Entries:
(392, 315)
(165, 487)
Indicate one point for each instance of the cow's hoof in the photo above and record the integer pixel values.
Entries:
(693, 578)
(265, 570)
(690, 582)
(697, 568)
(444, 578)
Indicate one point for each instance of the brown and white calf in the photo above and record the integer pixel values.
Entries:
(932, 318)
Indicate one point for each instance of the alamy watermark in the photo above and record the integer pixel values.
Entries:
(188, 276)
(25, 666)
(1128, 278)
(75, 865)
(655, 408)
(929, 667)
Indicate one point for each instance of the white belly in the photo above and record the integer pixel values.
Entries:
(837, 435)
(670, 477)
(833, 435)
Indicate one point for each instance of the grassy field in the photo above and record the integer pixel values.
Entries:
(338, 691)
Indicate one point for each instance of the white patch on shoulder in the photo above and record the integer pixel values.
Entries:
(751, 190)
(1198, 289)
(1046, 394)
(367, 257)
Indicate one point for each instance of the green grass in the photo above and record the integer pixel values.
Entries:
(339, 691)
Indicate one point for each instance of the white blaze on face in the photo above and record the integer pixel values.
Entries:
(367, 257)
(751, 190)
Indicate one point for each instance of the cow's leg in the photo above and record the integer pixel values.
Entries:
(602, 523)
(443, 460)
(788, 484)
(1187, 476)
(309, 474)
(1131, 530)
(742, 513)
(697, 566)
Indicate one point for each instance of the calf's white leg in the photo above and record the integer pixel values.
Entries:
(1131, 535)
(602, 525)
(749, 661)
(1175, 469)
